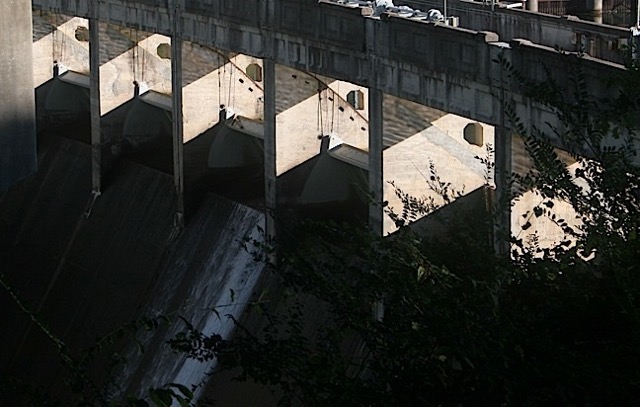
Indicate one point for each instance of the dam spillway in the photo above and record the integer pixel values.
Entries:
(90, 273)
(69, 253)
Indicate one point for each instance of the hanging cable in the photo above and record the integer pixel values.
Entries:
(333, 108)
(318, 121)
(219, 79)
(143, 58)
(233, 94)
(325, 115)
(133, 54)
(338, 123)
(62, 44)
(320, 109)
(230, 85)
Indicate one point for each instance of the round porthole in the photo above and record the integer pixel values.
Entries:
(82, 34)
(164, 50)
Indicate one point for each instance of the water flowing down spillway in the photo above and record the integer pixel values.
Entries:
(208, 268)
(86, 276)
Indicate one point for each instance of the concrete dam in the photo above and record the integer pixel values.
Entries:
(170, 131)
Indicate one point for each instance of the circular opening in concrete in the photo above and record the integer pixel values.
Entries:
(82, 34)
(164, 50)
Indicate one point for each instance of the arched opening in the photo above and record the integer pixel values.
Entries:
(356, 99)
(474, 134)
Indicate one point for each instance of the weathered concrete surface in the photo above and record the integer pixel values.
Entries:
(330, 40)
(565, 32)
(307, 106)
(17, 99)
(83, 276)
(93, 273)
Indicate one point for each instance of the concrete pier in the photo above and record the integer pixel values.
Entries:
(376, 120)
(532, 5)
(503, 171)
(376, 187)
(594, 8)
(94, 95)
(18, 156)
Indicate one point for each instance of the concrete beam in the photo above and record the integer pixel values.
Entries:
(330, 40)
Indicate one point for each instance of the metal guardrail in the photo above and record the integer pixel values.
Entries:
(381, 7)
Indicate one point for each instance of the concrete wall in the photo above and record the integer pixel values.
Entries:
(448, 68)
(566, 32)
(17, 99)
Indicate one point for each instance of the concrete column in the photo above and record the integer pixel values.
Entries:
(267, 14)
(594, 8)
(375, 161)
(532, 5)
(503, 170)
(178, 126)
(375, 133)
(269, 79)
(94, 96)
(18, 155)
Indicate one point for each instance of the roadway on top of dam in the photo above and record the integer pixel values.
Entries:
(449, 68)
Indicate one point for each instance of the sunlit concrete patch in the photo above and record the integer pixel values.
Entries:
(433, 152)
(306, 108)
(544, 230)
(137, 64)
(344, 89)
(59, 45)
(322, 112)
(537, 220)
(226, 85)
